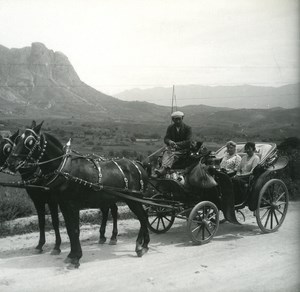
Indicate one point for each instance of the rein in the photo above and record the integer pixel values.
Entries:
(47, 161)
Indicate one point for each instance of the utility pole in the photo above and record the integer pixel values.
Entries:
(172, 99)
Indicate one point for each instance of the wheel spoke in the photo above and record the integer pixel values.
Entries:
(275, 216)
(268, 217)
(157, 226)
(212, 216)
(279, 212)
(153, 221)
(167, 218)
(163, 223)
(196, 228)
(208, 230)
(196, 221)
(271, 215)
(203, 232)
(262, 217)
(263, 199)
(280, 196)
(264, 208)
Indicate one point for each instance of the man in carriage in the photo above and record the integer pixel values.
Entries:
(178, 139)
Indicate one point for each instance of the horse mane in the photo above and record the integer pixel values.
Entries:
(54, 140)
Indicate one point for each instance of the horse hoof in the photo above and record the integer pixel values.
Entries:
(113, 242)
(141, 252)
(67, 260)
(38, 250)
(74, 264)
(102, 240)
(55, 251)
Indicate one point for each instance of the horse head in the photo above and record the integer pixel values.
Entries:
(29, 148)
(6, 147)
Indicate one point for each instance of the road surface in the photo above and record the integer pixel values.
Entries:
(239, 258)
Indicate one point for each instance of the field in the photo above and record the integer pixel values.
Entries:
(115, 139)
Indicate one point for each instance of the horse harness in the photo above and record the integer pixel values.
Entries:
(99, 185)
(38, 142)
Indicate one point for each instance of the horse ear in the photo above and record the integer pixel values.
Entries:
(14, 136)
(33, 124)
(37, 129)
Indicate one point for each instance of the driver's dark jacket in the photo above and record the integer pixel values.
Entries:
(182, 138)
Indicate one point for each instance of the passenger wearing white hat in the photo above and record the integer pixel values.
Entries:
(178, 137)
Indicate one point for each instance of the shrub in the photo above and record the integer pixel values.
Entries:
(14, 204)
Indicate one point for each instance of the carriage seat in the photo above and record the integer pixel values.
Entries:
(245, 154)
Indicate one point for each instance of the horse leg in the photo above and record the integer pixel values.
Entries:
(104, 211)
(55, 223)
(70, 211)
(114, 214)
(40, 209)
(143, 238)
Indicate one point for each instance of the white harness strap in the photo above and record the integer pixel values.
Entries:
(97, 164)
(141, 177)
(122, 172)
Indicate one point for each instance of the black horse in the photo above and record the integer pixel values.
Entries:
(76, 181)
(40, 198)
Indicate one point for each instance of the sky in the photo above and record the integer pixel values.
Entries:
(122, 44)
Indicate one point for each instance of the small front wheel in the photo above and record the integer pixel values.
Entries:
(203, 222)
(160, 219)
(272, 205)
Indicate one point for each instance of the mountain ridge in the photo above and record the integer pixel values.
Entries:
(37, 82)
(239, 96)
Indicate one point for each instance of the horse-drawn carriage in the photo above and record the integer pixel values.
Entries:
(72, 179)
(264, 194)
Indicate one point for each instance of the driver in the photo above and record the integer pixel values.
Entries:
(178, 139)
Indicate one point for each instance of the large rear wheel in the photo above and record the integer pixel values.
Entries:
(160, 219)
(272, 205)
(203, 222)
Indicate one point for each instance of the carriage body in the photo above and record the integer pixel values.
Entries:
(265, 194)
(268, 169)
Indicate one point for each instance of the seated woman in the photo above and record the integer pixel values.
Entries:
(249, 161)
(231, 160)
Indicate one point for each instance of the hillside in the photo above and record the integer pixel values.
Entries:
(244, 96)
(36, 81)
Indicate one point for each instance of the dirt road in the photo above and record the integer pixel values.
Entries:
(239, 258)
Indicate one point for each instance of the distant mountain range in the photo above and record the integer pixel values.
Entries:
(36, 82)
(244, 96)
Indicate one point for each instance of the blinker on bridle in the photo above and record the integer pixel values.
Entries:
(32, 143)
(6, 150)
(8, 146)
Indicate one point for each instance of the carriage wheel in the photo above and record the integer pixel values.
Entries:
(240, 217)
(160, 219)
(203, 222)
(272, 205)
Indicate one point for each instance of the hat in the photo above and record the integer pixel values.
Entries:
(177, 114)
